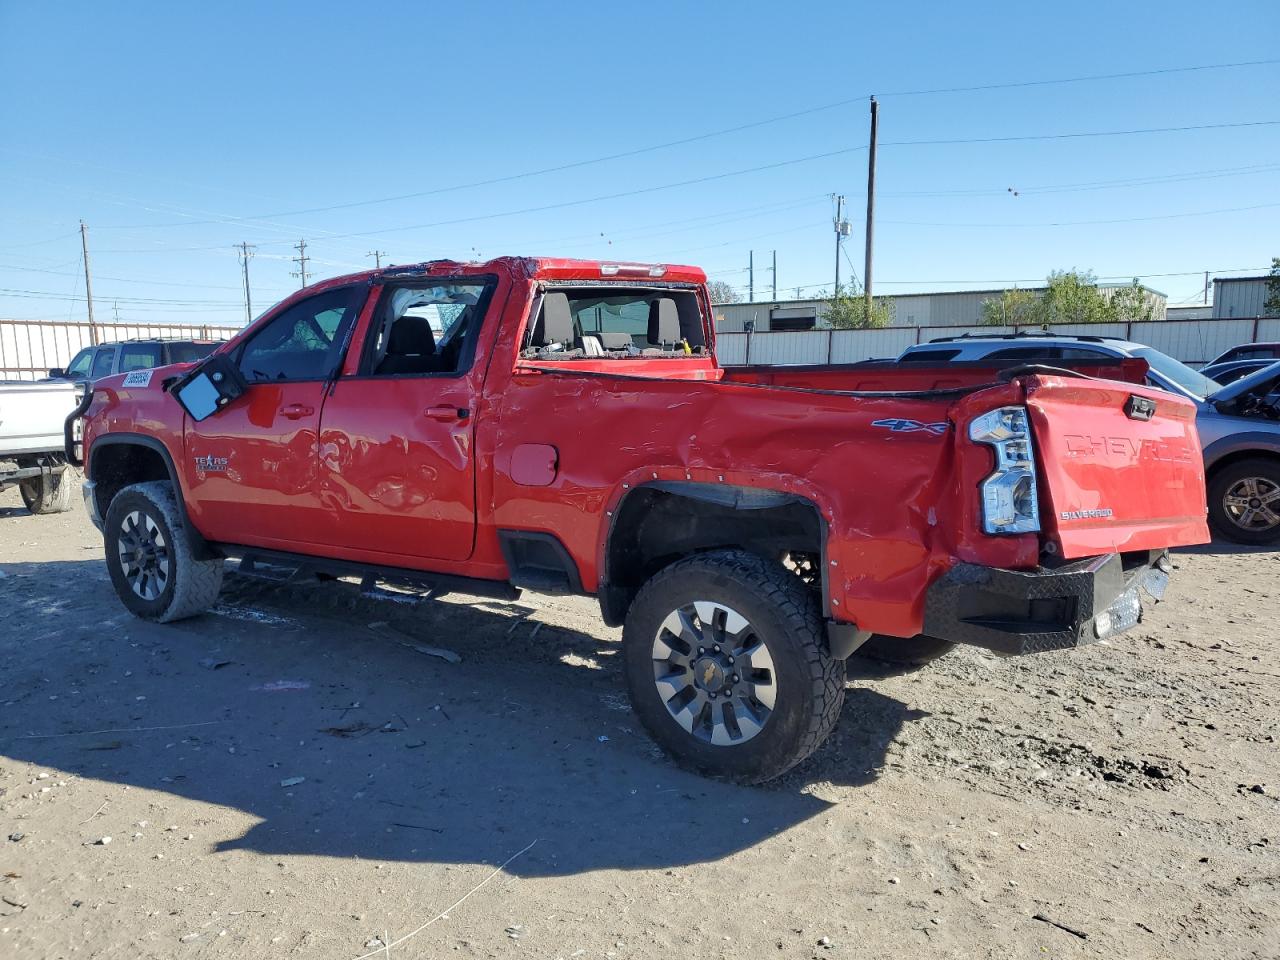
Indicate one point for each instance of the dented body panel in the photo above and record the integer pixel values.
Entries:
(439, 473)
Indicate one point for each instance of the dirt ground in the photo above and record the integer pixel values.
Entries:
(291, 775)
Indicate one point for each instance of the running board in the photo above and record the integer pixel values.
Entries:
(438, 583)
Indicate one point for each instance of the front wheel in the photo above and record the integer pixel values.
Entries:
(1244, 501)
(149, 558)
(728, 666)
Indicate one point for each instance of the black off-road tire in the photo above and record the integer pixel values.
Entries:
(191, 585)
(809, 682)
(1223, 481)
(914, 651)
(49, 493)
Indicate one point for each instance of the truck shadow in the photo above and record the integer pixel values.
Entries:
(345, 739)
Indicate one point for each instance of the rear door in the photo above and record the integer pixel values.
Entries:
(1121, 465)
(397, 438)
(251, 468)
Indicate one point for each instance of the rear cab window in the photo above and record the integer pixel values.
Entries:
(139, 356)
(602, 322)
(181, 351)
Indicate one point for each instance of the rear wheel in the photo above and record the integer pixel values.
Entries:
(47, 493)
(1244, 501)
(728, 666)
(905, 651)
(150, 561)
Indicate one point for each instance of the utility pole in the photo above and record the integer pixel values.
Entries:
(842, 231)
(871, 203)
(774, 271)
(115, 312)
(246, 251)
(301, 260)
(1206, 288)
(377, 257)
(88, 282)
(751, 276)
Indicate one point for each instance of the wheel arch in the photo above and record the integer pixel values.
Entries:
(656, 523)
(1247, 446)
(121, 459)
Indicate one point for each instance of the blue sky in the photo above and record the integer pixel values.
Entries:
(176, 131)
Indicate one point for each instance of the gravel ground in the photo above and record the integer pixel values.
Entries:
(298, 773)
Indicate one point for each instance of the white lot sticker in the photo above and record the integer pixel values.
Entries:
(138, 378)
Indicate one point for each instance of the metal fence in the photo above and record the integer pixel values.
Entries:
(1193, 342)
(29, 348)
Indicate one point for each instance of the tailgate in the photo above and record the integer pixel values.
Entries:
(1117, 475)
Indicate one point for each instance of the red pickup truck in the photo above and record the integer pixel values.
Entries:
(563, 426)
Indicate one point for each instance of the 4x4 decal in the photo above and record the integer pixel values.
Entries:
(911, 426)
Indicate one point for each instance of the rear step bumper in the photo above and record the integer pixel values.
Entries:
(1015, 611)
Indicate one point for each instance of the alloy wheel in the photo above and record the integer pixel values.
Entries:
(143, 555)
(714, 673)
(1253, 503)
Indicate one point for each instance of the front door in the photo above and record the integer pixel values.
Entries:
(397, 458)
(251, 468)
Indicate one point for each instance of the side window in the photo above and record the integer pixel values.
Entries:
(1083, 353)
(102, 361)
(79, 365)
(304, 341)
(139, 356)
(1025, 353)
(426, 328)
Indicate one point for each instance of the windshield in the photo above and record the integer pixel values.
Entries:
(1196, 384)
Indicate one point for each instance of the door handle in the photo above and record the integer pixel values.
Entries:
(296, 411)
(446, 413)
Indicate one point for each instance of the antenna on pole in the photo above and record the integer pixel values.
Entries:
(246, 251)
(301, 260)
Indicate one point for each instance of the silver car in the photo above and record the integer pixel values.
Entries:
(1239, 424)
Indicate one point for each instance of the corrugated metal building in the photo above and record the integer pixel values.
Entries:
(1240, 297)
(946, 308)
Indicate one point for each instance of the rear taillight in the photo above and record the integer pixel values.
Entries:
(1010, 501)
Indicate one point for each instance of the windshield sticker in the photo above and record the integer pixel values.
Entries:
(138, 378)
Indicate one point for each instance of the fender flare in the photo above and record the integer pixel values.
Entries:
(199, 546)
(1255, 441)
(735, 496)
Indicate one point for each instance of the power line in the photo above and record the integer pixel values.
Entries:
(638, 151)
(1096, 184)
(790, 162)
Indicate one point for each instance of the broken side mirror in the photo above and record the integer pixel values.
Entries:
(209, 387)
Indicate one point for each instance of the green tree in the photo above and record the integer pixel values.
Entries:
(1072, 296)
(1011, 307)
(722, 292)
(1132, 303)
(1272, 305)
(847, 310)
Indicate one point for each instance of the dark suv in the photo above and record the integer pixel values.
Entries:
(94, 363)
